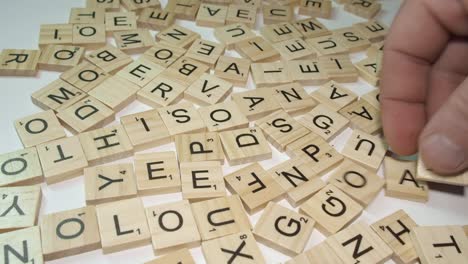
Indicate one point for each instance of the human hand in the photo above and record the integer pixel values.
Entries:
(424, 85)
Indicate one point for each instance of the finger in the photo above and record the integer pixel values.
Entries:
(444, 141)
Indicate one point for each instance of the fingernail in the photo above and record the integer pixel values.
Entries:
(441, 153)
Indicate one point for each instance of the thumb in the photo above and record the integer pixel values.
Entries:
(443, 144)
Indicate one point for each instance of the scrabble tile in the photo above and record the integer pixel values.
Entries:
(62, 159)
(132, 5)
(109, 5)
(70, 232)
(223, 116)
(234, 70)
(276, 14)
(157, 173)
(374, 48)
(281, 129)
(324, 122)
(133, 41)
(155, 19)
(254, 3)
(339, 68)
(39, 128)
(208, 90)
(270, 73)
(175, 257)
(172, 225)
(327, 45)
(352, 39)
(307, 72)
(211, 15)
(256, 103)
(84, 76)
(145, 129)
(108, 183)
(321, 252)
(164, 54)
(55, 34)
(284, 229)
(255, 186)
(57, 95)
(257, 49)
(279, 32)
(199, 147)
(22, 246)
(367, 69)
(321, 8)
(231, 34)
(177, 36)
(115, 92)
(141, 71)
(60, 57)
(122, 225)
(357, 182)
(19, 62)
(373, 98)
(241, 14)
(440, 244)
(21, 167)
(245, 145)
(87, 114)
(109, 59)
(86, 16)
(363, 8)
(293, 98)
(311, 28)
(293, 49)
(334, 95)
(373, 30)
(19, 207)
(118, 21)
(182, 118)
(365, 149)
(185, 71)
(332, 209)
(161, 91)
(220, 217)
(205, 51)
(363, 116)
(240, 247)
(361, 243)
(395, 230)
(106, 144)
(183, 9)
(424, 174)
(202, 180)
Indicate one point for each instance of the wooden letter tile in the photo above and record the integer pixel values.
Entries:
(241, 14)
(339, 68)
(202, 180)
(293, 98)
(19, 207)
(109, 5)
(211, 15)
(55, 34)
(293, 49)
(279, 32)
(164, 54)
(368, 70)
(373, 30)
(19, 62)
(182, 118)
(327, 45)
(307, 72)
(199, 147)
(208, 90)
(183, 9)
(57, 96)
(22, 246)
(155, 19)
(118, 21)
(277, 13)
(334, 95)
(133, 41)
(363, 116)
(21, 167)
(352, 39)
(324, 122)
(178, 36)
(205, 51)
(363, 8)
(424, 174)
(39, 128)
(235, 70)
(314, 8)
(373, 98)
(223, 116)
(132, 5)
(59, 57)
(109, 59)
(231, 34)
(181, 256)
(141, 71)
(161, 91)
(311, 28)
(365, 149)
(257, 49)
(185, 71)
(116, 92)
(256, 103)
(86, 16)
(84, 76)
(271, 73)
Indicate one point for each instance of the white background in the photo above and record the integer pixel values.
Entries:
(19, 28)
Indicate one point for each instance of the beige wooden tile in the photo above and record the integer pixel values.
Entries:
(332, 209)
(363, 116)
(141, 71)
(22, 246)
(183, 9)
(339, 68)
(241, 14)
(425, 174)
(440, 244)
(90, 36)
(199, 147)
(311, 27)
(324, 122)
(87, 114)
(367, 69)
(334, 95)
(109, 5)
(205, 51)
(256, 103)
(234, 70)
(307, 72)
(62, 159)
(106, 144)
(157, 173)
(223, 116)
(321, 8)
(86, 15)
(172, 226)
(84, 76)
(176, 257)
(211, 15)
(220, 217)
(122, 225)
(132, 5)
(257, 49)
(352, 39)
(155, 19)
(109, 59)
(182, 118)
(185, 71)
(60, 57)
(208, 90)
(231, 34)
(279, 32)
(133, 41)
(361, 243)
(57, 95)
(284, 229)
(69, 233)
(293, 98)
(325, 253)
(253, 3)
(178, 36)
(115, 92)
(245, 145)
(373, 30)
(365, 149)
(161, 91)
(55, 34)
(373, 98)
(21, 167)
(19, 62)
(270, 74)
(19, 207)
(365, 9)
(327, 45)
(39, 128)
(294, 48)
(164, 54)
(255, 186)
(236, 248)
(375, 48)
(395, 230)
(108, 183)
(118, 21)
(274, 13)
(202, 180)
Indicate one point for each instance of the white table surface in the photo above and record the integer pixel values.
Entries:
(19, 28)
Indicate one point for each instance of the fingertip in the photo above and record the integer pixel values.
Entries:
(442, 155)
